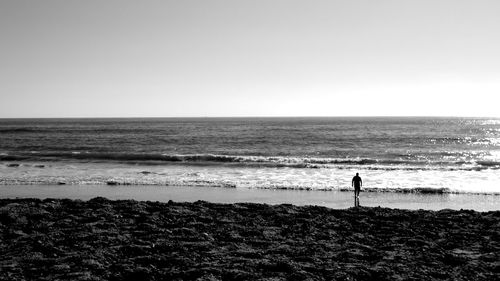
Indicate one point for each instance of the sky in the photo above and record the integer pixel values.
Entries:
(207, 58)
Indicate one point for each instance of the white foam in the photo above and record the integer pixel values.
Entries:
(484, 181)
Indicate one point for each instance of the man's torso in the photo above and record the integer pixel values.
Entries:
(357, 181)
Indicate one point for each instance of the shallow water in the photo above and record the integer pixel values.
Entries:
(332, 199)
(258, 177)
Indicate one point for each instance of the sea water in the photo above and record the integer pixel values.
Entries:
(431, 155)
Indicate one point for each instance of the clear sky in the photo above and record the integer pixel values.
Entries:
(99, 58)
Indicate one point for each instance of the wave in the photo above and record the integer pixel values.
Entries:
(488, 163)
(16, 130)
(227, 184)
(261, 161)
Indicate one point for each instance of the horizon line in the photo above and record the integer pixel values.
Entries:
(257, 117)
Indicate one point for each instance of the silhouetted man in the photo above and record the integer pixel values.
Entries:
(357, 183)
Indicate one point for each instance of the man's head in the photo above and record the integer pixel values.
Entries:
(357, 174)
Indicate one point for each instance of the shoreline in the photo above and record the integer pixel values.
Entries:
(331, 199)
(102, 239)
(234, 175)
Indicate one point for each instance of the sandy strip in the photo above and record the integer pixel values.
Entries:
(132, 240)
(331, 199)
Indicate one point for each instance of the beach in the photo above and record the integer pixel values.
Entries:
(102, 239)
(249, 140)
(335, 199)
(249, 199)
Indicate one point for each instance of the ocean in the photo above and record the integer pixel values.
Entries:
(399, 154)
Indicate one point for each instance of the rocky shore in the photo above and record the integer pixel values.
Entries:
(129, 240)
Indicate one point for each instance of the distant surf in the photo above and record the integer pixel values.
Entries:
(248, 160)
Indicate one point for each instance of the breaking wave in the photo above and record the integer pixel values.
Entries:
(228, 184)
(17, 130)
(260, 161)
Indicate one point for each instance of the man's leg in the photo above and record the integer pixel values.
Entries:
(357, 197)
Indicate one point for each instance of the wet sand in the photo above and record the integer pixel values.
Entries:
(133, 240)
(331, 199)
